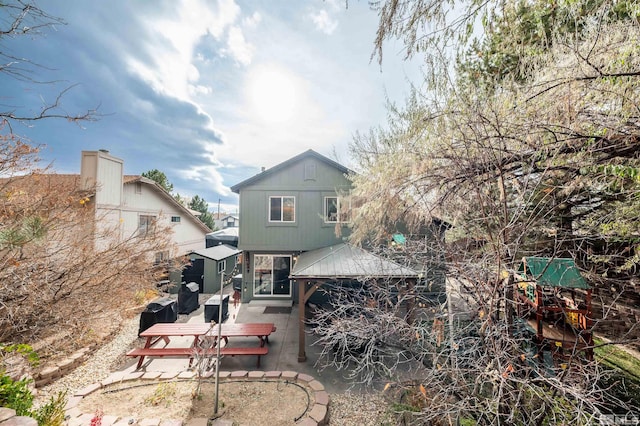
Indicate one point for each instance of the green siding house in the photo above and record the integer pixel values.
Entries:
(291, 208)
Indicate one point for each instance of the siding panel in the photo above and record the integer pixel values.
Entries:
(309, 231)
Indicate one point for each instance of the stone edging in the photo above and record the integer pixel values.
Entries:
(318, 414)
(53, 371)
(8, 418)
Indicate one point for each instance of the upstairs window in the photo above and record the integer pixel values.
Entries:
(336, 210)
(175, 219)
(282, 209)
(146, 224)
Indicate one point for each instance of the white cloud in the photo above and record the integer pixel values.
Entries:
(207, 175)
(192, 73)
(199, 90)
(238, 46)
(252, 21)
(174, 37)
(324, 22)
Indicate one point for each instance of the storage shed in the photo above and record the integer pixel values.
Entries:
(218, 260)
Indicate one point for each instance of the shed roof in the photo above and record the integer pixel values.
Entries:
(553, 272)
(219, 252)
(345, 261)
(307, 154)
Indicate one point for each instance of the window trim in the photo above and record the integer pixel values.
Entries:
(161, 257)
(147, 226)
(282, 198)
(253, 276)
(339, 201)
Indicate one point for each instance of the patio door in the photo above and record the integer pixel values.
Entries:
(271, 275)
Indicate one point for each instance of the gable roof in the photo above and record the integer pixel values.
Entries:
(307, 154)
(345, 261)
(217, 253)
(553, 272)
(71, 181)
(131, 179)
(48, 180)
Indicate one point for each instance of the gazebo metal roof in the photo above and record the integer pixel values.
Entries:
(345, 261)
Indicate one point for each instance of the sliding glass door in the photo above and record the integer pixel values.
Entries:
(271, 275)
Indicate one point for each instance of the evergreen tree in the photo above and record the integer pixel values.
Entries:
(160, 178)
(200, 205)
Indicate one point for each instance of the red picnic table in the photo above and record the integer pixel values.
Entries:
(199, 331)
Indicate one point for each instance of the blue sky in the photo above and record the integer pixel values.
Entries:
(206, 91)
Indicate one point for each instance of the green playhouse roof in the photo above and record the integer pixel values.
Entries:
(553, 272)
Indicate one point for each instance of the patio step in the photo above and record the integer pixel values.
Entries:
(283, 303)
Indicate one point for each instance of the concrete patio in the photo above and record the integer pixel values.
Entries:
(283, 347)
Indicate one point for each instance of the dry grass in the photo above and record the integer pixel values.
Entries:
(243, 402)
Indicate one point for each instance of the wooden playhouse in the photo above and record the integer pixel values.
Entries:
(553, 300)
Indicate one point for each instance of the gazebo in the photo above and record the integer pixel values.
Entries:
(341, 262)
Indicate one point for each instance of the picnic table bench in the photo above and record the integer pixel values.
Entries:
(200, 332)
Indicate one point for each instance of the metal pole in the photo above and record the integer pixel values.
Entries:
(218, 342)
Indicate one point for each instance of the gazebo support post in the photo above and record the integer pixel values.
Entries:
(303, 297)
(411, 302)
(302, 356)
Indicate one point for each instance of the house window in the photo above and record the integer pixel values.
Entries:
(271, 275)
(138, 188)
(282, 209)
(161, 256)
(146, 224)
(175, 219)
(222, 266)
(230, 222)
(336, 210)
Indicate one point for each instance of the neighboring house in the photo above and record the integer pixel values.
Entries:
(293, 207)
(227, 221)
(134, 203)
(217, 263)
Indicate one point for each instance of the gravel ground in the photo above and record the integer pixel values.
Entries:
(345, 409)
(98, 367)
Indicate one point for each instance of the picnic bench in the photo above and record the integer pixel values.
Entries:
(201, 333)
